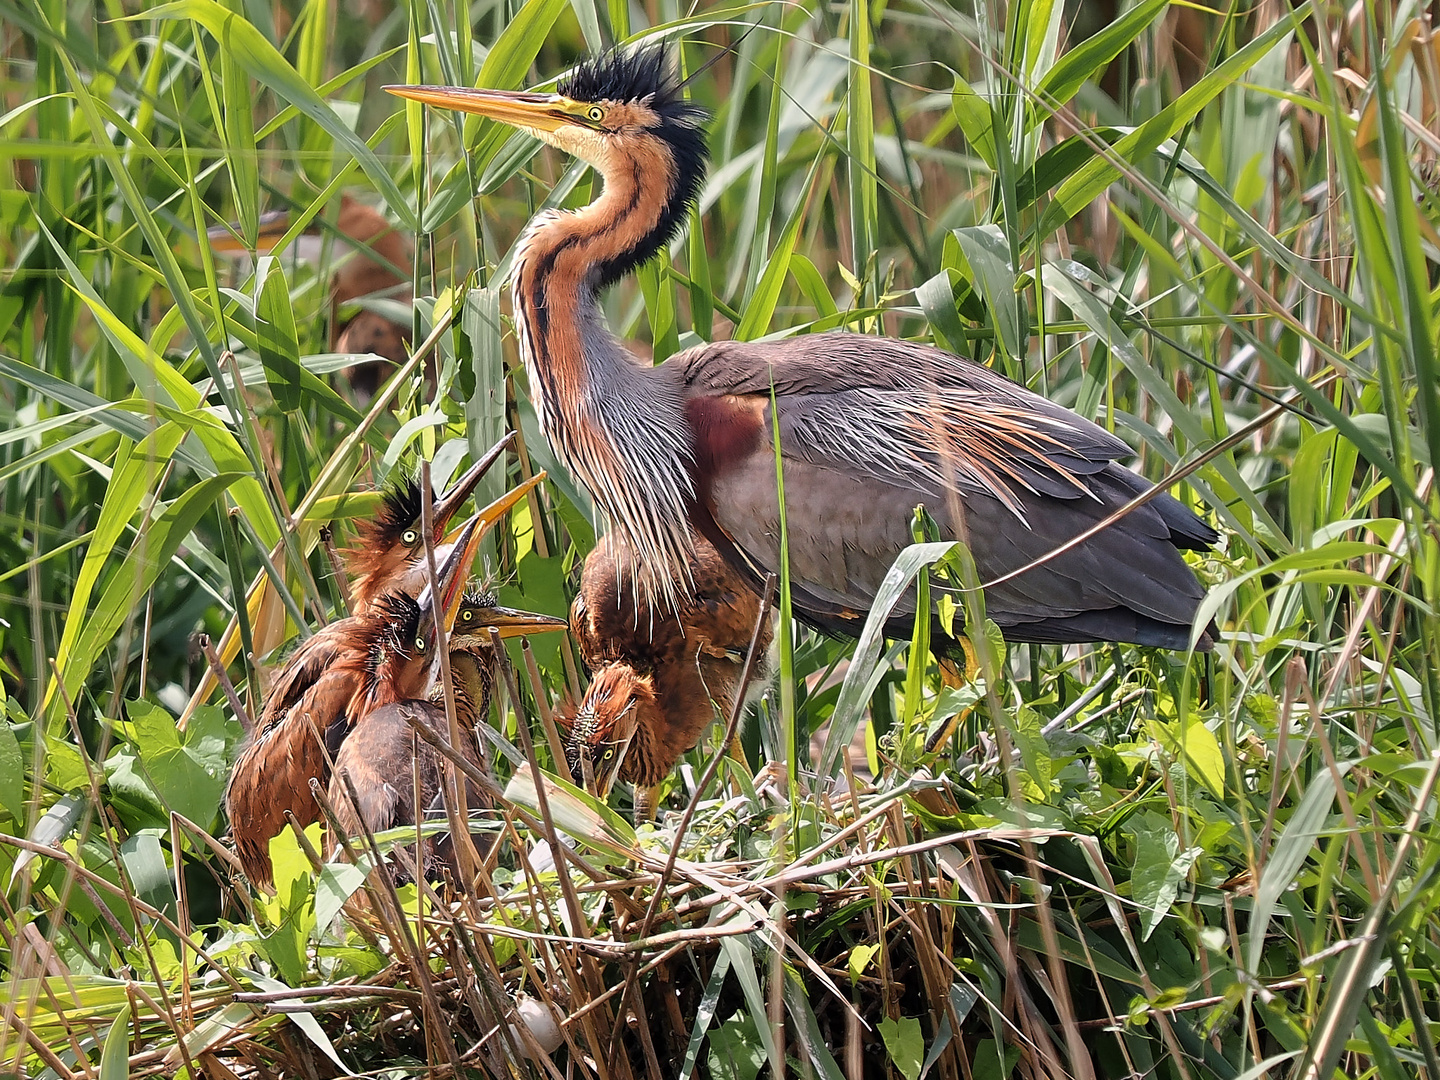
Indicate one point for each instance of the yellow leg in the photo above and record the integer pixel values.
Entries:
(953, 675)
(646, 799)
(736, 752)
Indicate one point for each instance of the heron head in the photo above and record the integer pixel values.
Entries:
(623, 112)
(479, 613)
(390, 549)
(599, 738)
(402, 631)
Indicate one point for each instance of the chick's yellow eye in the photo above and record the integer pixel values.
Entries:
(467, 616)
(409, 536)
(607, 755)
(420, 644)
(595, 113)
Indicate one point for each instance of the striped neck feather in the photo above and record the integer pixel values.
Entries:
(612, 421)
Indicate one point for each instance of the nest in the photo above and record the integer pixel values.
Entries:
(823, 925)
(837, 929)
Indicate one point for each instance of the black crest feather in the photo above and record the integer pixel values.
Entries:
(400, 507)
(399, 616)
(646, 76)
(625, 75)
(480, 598)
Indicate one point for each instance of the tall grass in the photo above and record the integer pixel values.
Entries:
(1212, 232)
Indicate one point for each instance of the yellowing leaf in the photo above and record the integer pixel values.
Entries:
(860, 957)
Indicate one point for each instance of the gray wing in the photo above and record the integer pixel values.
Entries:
(870, 427)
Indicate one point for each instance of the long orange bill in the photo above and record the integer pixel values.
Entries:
(510, 623)
(533, 112)
(445, 506)
(441, 599)
(609, 769)
(491, 515)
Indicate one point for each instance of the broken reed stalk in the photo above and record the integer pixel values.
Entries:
(212, 658)
(547, 716)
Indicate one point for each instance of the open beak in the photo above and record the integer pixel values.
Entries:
(445, 506)
(540, 113)
(441, 600)
(489, 517)
(225, 239)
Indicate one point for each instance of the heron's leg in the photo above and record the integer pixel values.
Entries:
(646, 799)
(955, 674)
(736, 752)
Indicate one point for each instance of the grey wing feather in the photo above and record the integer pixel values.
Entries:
(872, 426)
(948, 423)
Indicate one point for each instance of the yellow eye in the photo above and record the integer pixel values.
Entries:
(607, 755)
(409, 536)
(467, 616)
(419, 644)
(595, 113)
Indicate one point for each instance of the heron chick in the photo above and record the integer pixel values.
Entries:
(383, 755)
(659, 676)
(350, 669)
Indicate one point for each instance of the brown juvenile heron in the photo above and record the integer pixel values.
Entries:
(341, 680)
(388, 557)
(659, 675)
(354, 666)
(869, 427)
(383, 749)
(371, 259)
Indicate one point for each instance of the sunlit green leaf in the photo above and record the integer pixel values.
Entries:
(904, 1043)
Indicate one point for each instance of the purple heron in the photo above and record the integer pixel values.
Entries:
(334, 702)
(388, 554)
(351, 667)
(382, 749)
(659, 676)
(869, 427)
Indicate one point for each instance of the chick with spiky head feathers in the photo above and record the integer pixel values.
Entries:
(869, 427)
(659, 676)
(388, 554)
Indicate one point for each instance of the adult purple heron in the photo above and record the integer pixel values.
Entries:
(869, 427)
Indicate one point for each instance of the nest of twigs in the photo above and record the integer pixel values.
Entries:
(658, 966)
(841, 927)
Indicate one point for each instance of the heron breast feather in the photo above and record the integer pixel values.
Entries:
(726, 429)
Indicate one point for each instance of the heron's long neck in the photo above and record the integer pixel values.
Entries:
(617, 424)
